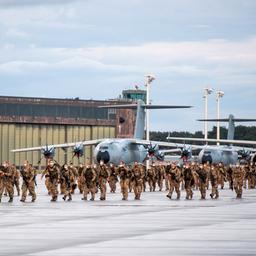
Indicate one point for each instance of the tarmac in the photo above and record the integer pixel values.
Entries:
(155, 225)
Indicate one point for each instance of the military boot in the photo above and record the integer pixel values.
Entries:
(22, 200)
(10, 200)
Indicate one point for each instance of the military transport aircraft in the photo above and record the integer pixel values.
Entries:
(117, 150)
(228, 154)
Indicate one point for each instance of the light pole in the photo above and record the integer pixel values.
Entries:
(149, 80)
(207, 91)
(219, 95)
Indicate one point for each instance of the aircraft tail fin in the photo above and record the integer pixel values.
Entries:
(141, 114)
(231, 123)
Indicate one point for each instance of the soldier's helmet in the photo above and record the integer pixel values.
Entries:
(121, 163)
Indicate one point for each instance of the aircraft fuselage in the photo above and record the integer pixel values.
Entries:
(116, 150)
(218, 155)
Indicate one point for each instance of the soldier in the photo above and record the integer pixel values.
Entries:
(221, 175)
(16, 179)
(246, 168)
(80, 181)
(238, 178)
(66, 178)
(144, 180)
(202, 180)
(167, 187)
(46, 181)
(103, 176)
(194, 167)
(6, 177)
(53, 173)
(124, 176)
(252, 176)
(189, 181)
(28, 174)
(174, 177)
(75, 176)
(214, 182)
(137, 180)
(151, 177)
(89, 182)
(160, 176)
(229, 172)
(112, 178)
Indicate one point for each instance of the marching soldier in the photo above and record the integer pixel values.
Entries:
(16, 178)
(6, 181)
(53, 173)
(229, 172)
(103, 176)
(28, 174)
(189, 181)
(202, 180)
(80, 180)
(144, 180)
(151, 176)
(89, 182)
(174, 177)
(66, 178)
(160, 176)
(214, 182)
(137, 180)
(112, 178)
(238, 178)
(221, 175)
(124, 176)
(75, 176)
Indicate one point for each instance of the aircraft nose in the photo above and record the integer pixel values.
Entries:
(103, 156)
(206, 158)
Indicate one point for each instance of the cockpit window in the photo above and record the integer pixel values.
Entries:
(103, 147)
(207, 152)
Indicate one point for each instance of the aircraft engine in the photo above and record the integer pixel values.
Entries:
(78, 150)
(48, 152)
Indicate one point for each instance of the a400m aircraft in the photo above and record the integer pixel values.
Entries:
(117, 150)
(227, 154)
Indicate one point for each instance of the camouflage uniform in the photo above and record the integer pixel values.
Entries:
(144, 180)
(151, 177)
(74, 178)
(174, 175)
(214, 182)
(238, 178)
(124, 176)
(160, 176)
(16, 179)
(6, 181)
(229, 172)
(202, 180)
(252, 177)
(46, 182)
(89, 182)
(112, 178)
(80, 179)
(28, 174)
(221, 175)
(53, 173)
(137, 181)
(103, 176)
(189, 180)
(66, 177)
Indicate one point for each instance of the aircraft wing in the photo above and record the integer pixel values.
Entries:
(245, 142)
(167, 144)
(65, 145)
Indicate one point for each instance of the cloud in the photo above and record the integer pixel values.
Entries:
(11, 3)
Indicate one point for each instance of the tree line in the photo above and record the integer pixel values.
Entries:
(241, 132)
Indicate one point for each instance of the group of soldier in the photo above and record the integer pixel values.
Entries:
(92, 178)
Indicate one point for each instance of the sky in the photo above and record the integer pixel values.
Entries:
(93, 49)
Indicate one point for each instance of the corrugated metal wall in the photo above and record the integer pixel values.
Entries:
(13, 136)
